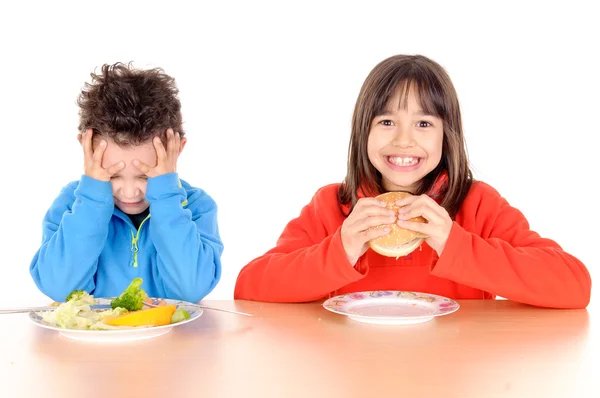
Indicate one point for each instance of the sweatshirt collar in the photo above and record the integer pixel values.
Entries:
(436, 192)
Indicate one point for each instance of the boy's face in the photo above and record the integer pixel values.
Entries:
(129, 184)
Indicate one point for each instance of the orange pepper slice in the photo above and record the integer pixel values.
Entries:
(158, 316)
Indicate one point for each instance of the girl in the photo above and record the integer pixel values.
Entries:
(407, 136)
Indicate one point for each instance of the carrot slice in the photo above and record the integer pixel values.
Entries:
(161, 303)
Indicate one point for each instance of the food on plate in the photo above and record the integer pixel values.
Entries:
(158, 316)
(399, 241)
(132, 298)
(76, 313)
(75, 294)
(125, 312)
(151, 303)
(180, 315)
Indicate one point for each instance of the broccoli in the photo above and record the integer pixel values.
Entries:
(132, 298)
(80, 298)
(76, 295)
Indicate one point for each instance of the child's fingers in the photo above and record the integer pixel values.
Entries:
(422, 228)
(433, 213)
(160, 149)
(366, 217)
(407, 200)
(115, 168)
(98, 153)
(370, 222)
(439, 210)
(421, 201)
(170, 142)
(174, 145)
(177, 143)
(425, 211)
(87, 144)
(363, 224)
(376, 233)
(141, 166)
(363, 202)
(371, 210)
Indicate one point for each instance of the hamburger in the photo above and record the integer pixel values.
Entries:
(399, 241)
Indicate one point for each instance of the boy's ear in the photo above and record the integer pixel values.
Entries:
(183, 142)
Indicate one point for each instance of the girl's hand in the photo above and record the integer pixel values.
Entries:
(438, 224)
(367, 213)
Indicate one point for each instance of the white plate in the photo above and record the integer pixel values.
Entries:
(390, 307)
(139, 333)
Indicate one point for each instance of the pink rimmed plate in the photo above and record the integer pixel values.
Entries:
(390, 307)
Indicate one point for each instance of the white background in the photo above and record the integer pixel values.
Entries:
(268, 92)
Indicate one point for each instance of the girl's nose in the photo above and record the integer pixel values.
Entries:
(403, 137)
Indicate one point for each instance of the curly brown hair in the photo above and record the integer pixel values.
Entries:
(438, 97)
(130, 106)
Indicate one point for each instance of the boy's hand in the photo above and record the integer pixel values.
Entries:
(92, 160)
(167, 159)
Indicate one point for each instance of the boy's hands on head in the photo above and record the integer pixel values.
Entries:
(439, 223)
(92, 159)
(167, 158)
(355, 232)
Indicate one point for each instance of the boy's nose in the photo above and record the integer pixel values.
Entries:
(130, 192)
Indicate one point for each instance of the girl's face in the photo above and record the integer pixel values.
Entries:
(404, 143)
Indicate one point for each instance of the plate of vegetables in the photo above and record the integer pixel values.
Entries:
(131, 316)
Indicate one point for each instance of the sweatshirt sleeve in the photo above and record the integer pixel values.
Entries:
(506, 258)
(186, 237)
(307, 263)
(74, 233)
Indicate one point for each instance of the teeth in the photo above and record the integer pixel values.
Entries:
(404, 161)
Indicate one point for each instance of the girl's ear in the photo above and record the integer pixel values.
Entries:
(183, 142)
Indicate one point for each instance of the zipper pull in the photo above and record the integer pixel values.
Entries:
(135, 263)
(134, 250)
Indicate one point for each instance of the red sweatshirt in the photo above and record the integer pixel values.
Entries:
(490, 251)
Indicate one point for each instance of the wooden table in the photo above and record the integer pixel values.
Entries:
(486, 349)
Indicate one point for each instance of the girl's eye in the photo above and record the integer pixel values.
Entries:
(386, 122)
(423, 123)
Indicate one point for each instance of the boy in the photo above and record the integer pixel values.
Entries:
(130, 215)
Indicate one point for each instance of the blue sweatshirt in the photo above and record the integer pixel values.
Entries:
(90, 244)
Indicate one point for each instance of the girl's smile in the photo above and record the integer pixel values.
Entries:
(403, 163)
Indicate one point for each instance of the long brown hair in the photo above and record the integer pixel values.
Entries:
(437, 97)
